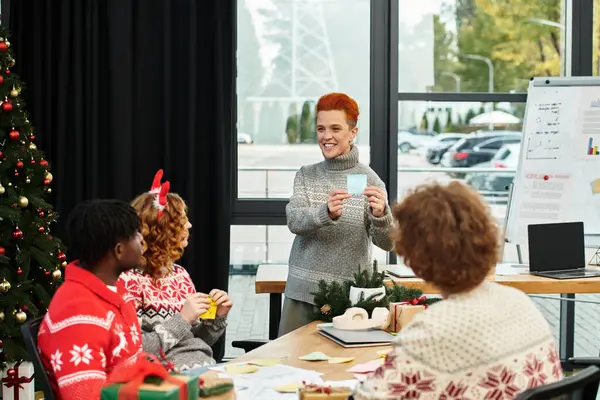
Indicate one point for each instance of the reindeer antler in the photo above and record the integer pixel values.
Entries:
(156, 187)
(162, 197)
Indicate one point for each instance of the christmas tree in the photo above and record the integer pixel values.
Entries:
(30, 257)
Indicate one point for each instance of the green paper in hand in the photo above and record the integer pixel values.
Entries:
(316, 356)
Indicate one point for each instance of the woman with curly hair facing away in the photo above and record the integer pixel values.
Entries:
(484, 340)
(334, 229)
(163, 292)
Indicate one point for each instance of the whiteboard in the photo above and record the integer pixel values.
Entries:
(558, 176)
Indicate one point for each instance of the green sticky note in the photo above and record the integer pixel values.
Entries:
(316, 356)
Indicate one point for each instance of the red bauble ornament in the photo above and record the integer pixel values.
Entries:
(32, 162)
(25, 308)
(7, 71)
(6, 106)
(14, 134)
(46, 182)
(1, 154)
(40, 213)
(16, 173)
(19, 164)
(17, 234)
(47, 273)
(1, 343)
(11, 372)
(1, 79)
(19, 271)
(62, 257)
(44, 163)
(2, 251)
(3, 46)
(41, 229)
(32, 137)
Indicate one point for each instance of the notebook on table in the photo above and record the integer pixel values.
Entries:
(399, 271)
(364, 338)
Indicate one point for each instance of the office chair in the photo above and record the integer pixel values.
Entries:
(30, 333)
(583, 385)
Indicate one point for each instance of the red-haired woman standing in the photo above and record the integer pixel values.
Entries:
(334, 229)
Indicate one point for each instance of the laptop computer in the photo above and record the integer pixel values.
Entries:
(349, 339)
(557, 251)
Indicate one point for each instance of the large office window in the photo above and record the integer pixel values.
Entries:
(289, 54)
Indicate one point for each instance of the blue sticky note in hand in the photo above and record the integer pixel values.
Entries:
(357, 183)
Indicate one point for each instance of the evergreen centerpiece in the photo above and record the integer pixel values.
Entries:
(30, 258)
(367, 286)
(400, 294)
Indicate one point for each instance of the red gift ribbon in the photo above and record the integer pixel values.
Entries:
(133, 375)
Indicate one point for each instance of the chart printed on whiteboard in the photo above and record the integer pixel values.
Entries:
(589, 143)
(544, 138)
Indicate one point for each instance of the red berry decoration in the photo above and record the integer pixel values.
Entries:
(19, 164)
(40, 213)
(32, 137)
(2, 251)
(19, 271)
(3, 46)
(44, 163)
(7, 106)
(17, 234)
(14, 134)
(62, 257)
(47, 273)
(41, 229)
(16, 173)
(46, 182)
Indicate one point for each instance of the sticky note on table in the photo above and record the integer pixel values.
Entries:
(366, 368)
(266, 362)
(211, 313)
(357, 183)
(316, 356)
(383, 353)
(340, 360)
(289, 387)
(240, 369)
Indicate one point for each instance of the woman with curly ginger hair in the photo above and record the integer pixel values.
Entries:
(484, 340)
(163, 292)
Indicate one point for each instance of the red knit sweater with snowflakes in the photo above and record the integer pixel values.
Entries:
(87, 331)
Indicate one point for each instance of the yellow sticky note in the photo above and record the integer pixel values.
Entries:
(340, 360)
(211, 313)
(289, 388)
(383, 353)
(240, 369)
(266, 362)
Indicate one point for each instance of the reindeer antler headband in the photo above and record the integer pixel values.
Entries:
(161, 191)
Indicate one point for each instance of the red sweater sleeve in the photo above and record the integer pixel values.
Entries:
(74, 348)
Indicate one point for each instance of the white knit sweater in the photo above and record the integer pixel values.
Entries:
(490, 343)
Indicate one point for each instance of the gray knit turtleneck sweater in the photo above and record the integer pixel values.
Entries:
(324, 248)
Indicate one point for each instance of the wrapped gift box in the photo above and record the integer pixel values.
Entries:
(162, 391)
(20, 385)
(314, 392)
(401, 314)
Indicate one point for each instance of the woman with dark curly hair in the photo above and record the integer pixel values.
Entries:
(484, 340)
(163, 292)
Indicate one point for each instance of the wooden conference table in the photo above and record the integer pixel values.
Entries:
(271, 279)
(306, 340)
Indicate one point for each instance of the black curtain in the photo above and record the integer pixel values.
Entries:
(120, 88)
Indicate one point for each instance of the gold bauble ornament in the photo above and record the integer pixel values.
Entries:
(12, 62)
(27, 180)
(49, 190)
(64, 264)
(49, 176)
(2, 189)
(7, 43)
(1, 316)
(56, 274)
(6, 285)
(326, 309)
(9, 184)
(3, 287)
(32, 146)
(14, 92)
(23, 201)
(21, 317)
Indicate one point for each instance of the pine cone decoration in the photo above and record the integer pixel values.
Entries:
(326, 309)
